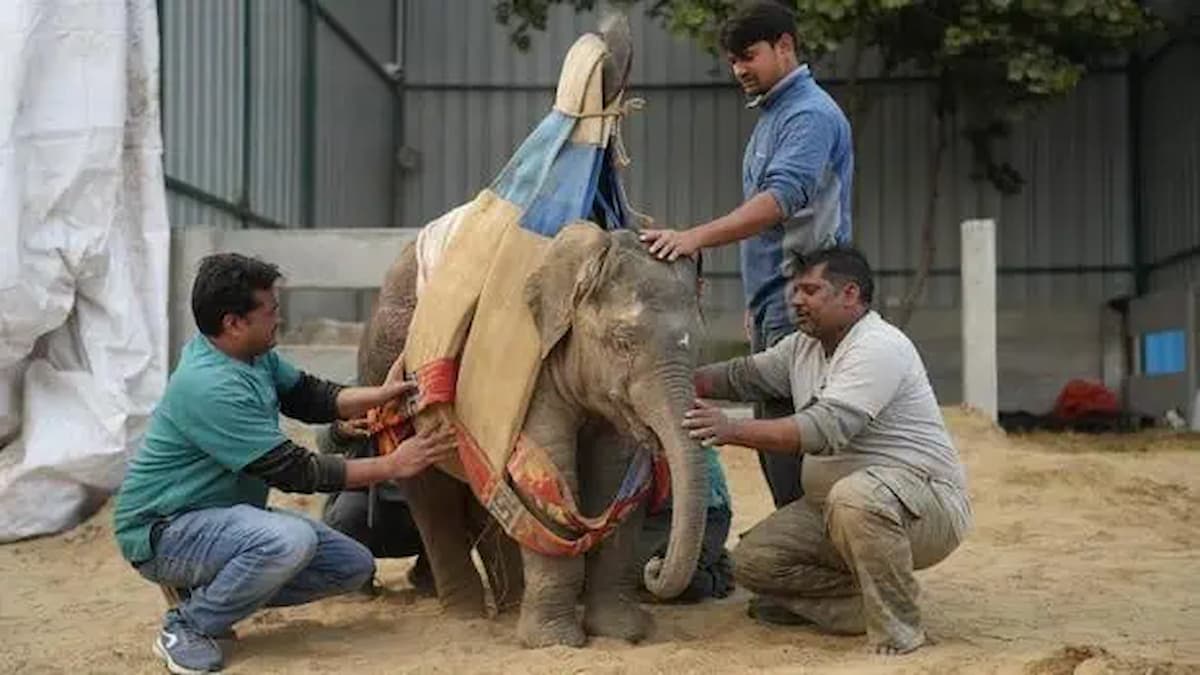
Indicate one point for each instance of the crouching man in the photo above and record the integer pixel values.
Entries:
(192, 511)
(884, 489)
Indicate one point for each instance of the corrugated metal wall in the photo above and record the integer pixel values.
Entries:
(247, 141)
(471, 105)
(202, 107)
(1171, 166)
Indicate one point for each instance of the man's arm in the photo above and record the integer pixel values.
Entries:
(293, 468)
(787, 186)
(822, 428)
(356, 401)
(753, 216)
(709, 425)
(760, 377)
(317, 401)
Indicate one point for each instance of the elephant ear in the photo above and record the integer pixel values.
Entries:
(566, 276)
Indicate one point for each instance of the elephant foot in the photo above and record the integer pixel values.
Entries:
(505, 605)
(472, 608)
(617, 619)
(536, 630)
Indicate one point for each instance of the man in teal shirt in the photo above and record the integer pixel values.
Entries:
(192, 511)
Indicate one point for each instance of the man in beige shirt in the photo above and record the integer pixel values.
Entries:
(884, 489)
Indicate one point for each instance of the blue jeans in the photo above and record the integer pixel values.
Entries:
(782, 472)
(235, 560)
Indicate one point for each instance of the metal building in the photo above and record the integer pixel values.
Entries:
(386, 113)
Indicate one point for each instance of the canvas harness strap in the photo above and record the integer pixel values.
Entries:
(530, 499)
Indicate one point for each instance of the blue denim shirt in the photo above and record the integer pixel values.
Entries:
(800, 152)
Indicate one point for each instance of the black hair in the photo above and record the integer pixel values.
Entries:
(225, 284)
(757, 21)
(843, 264)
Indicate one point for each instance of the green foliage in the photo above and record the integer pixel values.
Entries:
(994, 61)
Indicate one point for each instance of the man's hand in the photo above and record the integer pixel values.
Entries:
(670, 244)
(421, 451)
(355, 428)
(396, 372)
(354, 402)
(396, 389)
(707, 424)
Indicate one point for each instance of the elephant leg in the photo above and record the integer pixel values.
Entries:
(552, 585)
(611, 607)
(610, 601)
(501, 558)
(440, 511)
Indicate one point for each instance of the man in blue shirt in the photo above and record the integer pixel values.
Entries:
(797, 174)
(192, 511)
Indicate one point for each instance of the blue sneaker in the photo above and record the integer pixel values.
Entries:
(187, 651)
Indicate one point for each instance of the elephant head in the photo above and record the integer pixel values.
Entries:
(621, 329)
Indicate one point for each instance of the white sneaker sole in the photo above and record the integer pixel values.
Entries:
(175, 667)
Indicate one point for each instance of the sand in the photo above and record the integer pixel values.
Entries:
(1085, 558)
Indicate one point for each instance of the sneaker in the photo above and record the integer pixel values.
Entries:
(187, 651)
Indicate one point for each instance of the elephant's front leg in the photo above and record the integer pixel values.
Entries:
(610, 601)
(552, 583)
(552, 587)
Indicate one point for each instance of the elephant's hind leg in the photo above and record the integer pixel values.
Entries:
(440, 511)
(610, 602)
(501, 557)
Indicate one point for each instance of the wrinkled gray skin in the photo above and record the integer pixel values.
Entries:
(620, 332)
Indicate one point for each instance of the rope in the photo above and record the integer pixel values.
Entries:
(620, 111)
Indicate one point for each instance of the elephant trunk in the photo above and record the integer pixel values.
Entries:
(670, 576)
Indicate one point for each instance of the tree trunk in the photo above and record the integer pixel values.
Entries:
(928, 241)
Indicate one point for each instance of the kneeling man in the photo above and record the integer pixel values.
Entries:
(884, 489)
(192, 511)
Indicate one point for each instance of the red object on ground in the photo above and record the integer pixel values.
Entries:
(1082, 398)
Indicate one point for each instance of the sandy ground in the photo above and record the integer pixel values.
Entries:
(1085, 558)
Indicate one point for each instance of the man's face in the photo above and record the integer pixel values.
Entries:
(822, 307)
(255, 333)
(762, 64)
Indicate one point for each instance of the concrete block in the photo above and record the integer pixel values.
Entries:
(979, 315)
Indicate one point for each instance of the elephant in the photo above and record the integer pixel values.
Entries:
(620, 330)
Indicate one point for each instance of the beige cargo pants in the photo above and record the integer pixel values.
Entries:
(847, 565)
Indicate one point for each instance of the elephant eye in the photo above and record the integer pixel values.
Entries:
(623, 336)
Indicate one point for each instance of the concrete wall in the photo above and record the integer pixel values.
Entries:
(1040, 348)
(323, 260)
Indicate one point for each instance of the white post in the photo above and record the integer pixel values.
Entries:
(979, 315)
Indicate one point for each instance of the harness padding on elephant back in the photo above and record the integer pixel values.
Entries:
(473, 344)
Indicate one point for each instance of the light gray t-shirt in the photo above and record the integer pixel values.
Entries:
(868, 404)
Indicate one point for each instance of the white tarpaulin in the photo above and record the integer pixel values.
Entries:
(84, 245)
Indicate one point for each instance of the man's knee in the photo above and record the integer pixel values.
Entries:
(858, 513)
(756, 559)
(286, 542)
